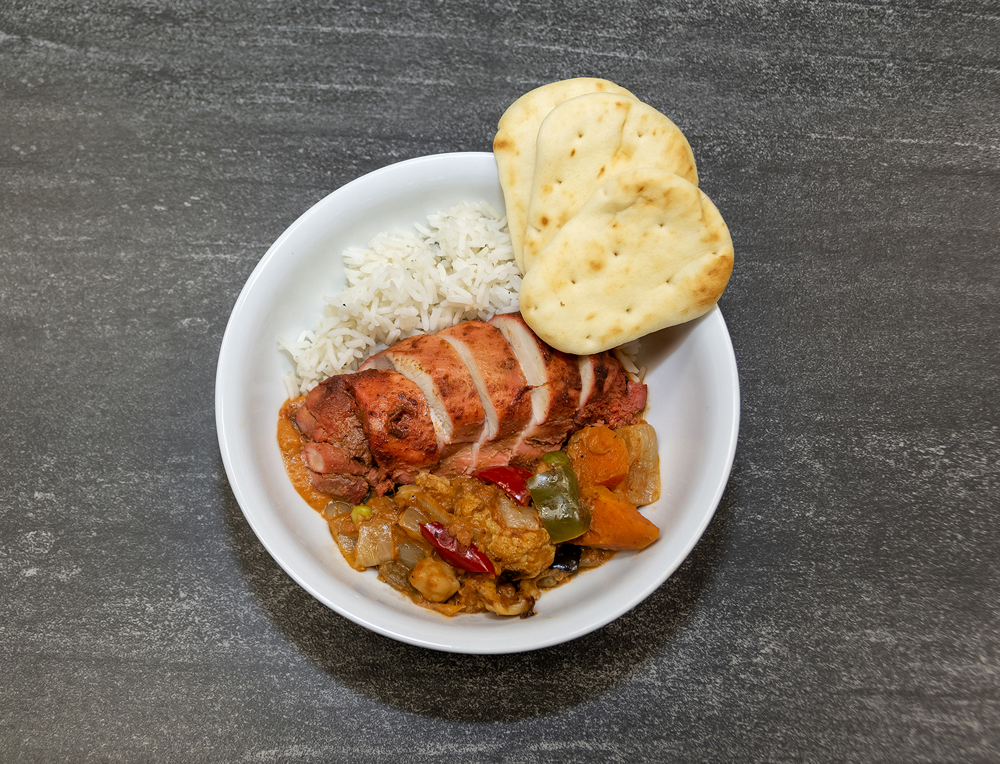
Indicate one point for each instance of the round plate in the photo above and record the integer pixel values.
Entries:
(694, 394)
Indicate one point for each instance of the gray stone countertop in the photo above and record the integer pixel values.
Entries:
(844, 602)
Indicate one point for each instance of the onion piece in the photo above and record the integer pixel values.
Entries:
(410, 521)
(374, 544)
(348, 542)
(336, 509)
(642, 485)
(410, 554)
(432, 509)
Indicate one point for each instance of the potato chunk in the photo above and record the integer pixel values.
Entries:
(434, 579)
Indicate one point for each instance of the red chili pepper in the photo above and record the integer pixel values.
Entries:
(512, 480)
(453, 553)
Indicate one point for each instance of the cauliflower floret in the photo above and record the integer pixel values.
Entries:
(484, 517)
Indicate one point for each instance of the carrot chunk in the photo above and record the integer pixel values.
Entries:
(614, 524)
(599, 457)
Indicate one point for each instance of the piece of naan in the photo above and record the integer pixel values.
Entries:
(648, 250)
(514, 143)
(582, 144)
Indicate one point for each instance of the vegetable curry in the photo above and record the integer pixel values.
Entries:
(495, 540)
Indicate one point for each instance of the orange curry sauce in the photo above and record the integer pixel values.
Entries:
(290, 443)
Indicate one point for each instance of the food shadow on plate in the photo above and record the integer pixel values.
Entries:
(656, 347)
(481, 688)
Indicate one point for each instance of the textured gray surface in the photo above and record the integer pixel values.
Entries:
(844, 603)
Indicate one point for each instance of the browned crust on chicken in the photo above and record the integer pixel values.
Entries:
(397, 420)
(437, 368)
(500, 374)
(614, 400)
(330, 410)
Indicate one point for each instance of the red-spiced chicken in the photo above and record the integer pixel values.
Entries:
(475, 395)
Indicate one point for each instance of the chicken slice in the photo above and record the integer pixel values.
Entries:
(336, 447)
(554, 379)
(608, 396)
(438, 370)
(349, 488)
(500, 384)
(397, 421)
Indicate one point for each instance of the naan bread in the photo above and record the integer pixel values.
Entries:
(648, 250)
(581, 145)
(514, 144)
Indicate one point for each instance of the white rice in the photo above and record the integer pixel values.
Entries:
(457, 267)
(627, 355)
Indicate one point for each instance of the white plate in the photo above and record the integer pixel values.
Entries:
(694, 394)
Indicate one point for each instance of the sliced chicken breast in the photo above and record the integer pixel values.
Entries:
(434, 366)
(609, 397)
(397, 421)
(554, 380)
(501, 386)
(475, 395)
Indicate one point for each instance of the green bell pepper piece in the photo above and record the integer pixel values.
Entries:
(556, 496)
(557, 459)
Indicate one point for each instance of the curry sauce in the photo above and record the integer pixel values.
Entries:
(290, 443)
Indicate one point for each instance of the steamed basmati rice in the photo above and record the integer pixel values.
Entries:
(457, 267)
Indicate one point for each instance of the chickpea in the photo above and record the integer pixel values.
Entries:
(434, 579)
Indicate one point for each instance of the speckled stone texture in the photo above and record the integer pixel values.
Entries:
(844, 603)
